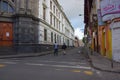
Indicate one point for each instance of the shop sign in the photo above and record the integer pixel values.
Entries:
(109, 8)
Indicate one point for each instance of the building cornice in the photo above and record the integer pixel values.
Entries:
(27, 16)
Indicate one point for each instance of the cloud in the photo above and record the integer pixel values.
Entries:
(79, 33)
(72, 9)
(77, 22)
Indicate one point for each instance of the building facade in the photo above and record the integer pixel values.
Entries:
(110, 11)
(54, 25)
(106, 34)
(31, 25)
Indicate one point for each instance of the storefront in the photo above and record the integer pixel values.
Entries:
(110, 10)
(116, 41)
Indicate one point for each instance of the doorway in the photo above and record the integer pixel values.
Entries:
(6, 34)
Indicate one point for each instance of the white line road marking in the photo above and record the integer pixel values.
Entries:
(62, 66)
(9, 62)
(62, 62)
(35, 64)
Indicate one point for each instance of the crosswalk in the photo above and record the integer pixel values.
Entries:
(58, 66)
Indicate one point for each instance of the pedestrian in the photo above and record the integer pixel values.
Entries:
(55, 49)
(64, 48)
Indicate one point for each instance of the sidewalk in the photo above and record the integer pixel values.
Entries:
(102, 63)
(25, 55)
(22, 55)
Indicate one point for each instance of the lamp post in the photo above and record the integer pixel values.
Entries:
(85, 40)
(86, 33)
(95, 24)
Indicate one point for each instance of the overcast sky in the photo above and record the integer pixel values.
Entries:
(72, 9)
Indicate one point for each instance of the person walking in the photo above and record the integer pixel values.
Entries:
(55, 49)
(64, 48)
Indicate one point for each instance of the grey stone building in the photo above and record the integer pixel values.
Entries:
(54, 24)
(19, 25)
(33, 26)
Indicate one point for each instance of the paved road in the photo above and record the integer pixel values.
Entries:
(72, 66)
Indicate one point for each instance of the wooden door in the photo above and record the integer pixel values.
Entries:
(6, 34)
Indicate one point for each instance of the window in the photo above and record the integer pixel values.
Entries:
(5, 7)
(59, 15)
(45, 34)
(44, 13)
(51, 5)
(63, 39)
(51, 36)
(10, 9)
(57, 23)
(54, 21)
(56, 12)
(51, 18)
(0, 5)
(55, 37)
(62, 27)
(58, 38)
(54, 9)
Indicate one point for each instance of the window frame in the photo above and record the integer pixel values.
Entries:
(51, 18)
(44, 13)
(51, 5)
(51, 36)
(45, 34)
(5, 4)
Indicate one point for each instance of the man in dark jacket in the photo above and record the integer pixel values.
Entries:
(64, 48)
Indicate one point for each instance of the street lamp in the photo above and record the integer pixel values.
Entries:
(85, 34)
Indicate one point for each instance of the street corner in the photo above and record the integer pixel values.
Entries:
(2, 65)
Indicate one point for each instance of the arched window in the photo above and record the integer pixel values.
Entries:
(10, 8)
(5, 7)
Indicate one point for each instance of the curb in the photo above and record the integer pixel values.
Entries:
(29, 55)
(91, 63)
(23, 56)
(104, 69)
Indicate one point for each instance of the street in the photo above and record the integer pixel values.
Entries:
(72, 66)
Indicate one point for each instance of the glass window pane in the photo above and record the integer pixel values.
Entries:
(4, 6)
(10, 9)
(45, 34)
(0, 5)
